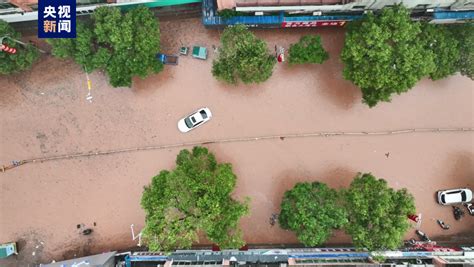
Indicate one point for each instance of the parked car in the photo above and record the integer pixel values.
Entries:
(454, 196)
(200, 52)
(167, 59)
(194, 120)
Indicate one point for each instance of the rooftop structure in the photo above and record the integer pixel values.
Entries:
(27, 10)
(344, 4)
(227, 4)
(316, 13)
(279, 258)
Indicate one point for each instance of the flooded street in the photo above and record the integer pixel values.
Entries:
(45, 113)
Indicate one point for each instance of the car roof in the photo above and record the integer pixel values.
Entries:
(454, 195)
(198, 116)
(451, 197)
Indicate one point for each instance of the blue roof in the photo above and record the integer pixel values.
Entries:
(459, 15)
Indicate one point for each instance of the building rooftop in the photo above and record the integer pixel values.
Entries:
(225, 4)
(30, 5)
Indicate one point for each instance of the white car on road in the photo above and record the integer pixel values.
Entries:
(194, 120)
(454, 196)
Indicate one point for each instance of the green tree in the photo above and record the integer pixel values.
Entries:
(308, 50)
(464, 33)
(124, 45)
(242, 55)
(377, 213)
(384, 54)
(312, 210)
(445, 49)
(194, 197)
(22, 59)
(229, 13)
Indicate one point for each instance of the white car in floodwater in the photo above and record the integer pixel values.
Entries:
(194, 120)
(454, 196)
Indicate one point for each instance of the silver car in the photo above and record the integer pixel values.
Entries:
(454, 196)
(194, 120)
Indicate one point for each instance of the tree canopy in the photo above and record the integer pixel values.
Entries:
(242, 56)
(124, 45)
(22, 59)
(384, 54)
(377, 214)
(308, 50)
(312, 210)
(194, 197)
(445, 47)
(464, 33)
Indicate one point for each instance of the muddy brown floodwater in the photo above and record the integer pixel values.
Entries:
(44, 113)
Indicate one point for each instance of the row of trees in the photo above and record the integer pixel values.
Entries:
(383, 54)
(374, 215)
(123, 45)
(242, 56)
(389, 53)
(195, 198)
